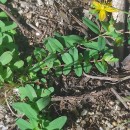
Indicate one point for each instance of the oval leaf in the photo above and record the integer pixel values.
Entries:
(101, 43)
(54, 45)
(25, 109)
(6, 57)
(24, 125)
(57, 124)
(102, 67)
(43, 102)
(91, 25)
(74, 53)
(66, 57)
(19, 64)
(78, 69)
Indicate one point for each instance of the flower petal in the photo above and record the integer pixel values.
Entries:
(102, 15)
(111, 9)
(96, 5)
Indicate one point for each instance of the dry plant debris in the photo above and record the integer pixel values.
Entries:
(90, 102)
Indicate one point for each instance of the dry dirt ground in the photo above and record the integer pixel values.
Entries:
(89, 103)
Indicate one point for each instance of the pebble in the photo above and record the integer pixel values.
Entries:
(28, 15)
(83, 122)
(50, 2)
(37, 24)
(100, 128)
(119, 121)
(3, 127)
(79, 128)
(39, 2)
(78, 121)
(84, 112)
(117, 108)
(1, 116)
(114, 123)
(111, 103)
(91, 113)
(20, 12)
(86, 13)
(108, 125)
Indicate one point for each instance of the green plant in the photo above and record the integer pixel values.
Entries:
(10, 62)
(62, 54)
(36, 100)
(3, 1)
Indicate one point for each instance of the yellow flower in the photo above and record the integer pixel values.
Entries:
(103, 8)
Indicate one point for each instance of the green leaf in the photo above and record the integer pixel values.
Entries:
(19, 64)
(101, 43)
(3, 15)
(91, 25)
(105, 25)
(6, 57)
(47, 92)
(1, 79)
(2, 25)
(109, 58)
(74, 53)
(7, 38)
(57, 124)
(1, 38)
(23, 92)
(26, 109)
(9, 26)
(50, 58)
(87, 67)
(8, 72)
(66, 69)
(53, 45)
(102, 67)
(43, 102)
(31, 94)
(78, 69)
(92, 45)
(66, 57)
(24, 125)
(58, 69)
(71, 39)
(34, 124)
(93, 54)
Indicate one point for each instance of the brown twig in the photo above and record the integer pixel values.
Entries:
(79, 98)
(105, 78)
(114, 80)
(6, 10)
(9, 105)
(119, 98)
(42, 36)
(35, 28)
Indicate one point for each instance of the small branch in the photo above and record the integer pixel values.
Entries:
(79, 98)
(5, 9)
(114, 80)
(9, 105)
(119, 98)
(33, 27)
(102, 78)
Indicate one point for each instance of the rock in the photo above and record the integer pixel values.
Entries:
(79, 128)
(111, 103)
(84, 112)
(114, 123)
(1, 116)
(3, 127)
(39, 2)
(126, 63)
(28, 15)
(50, 2)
